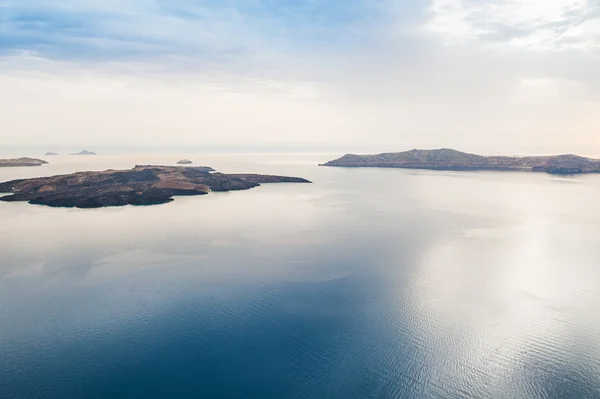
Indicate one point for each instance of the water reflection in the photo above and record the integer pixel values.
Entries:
(368, 283)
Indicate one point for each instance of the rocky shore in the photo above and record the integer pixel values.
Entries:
(448, 159)
(21, 162)
(142, 185)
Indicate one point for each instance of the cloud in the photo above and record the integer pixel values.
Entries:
(544, 25)
(199, 29)
(351, 74)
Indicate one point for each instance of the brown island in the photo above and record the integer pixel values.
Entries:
(448, 159)
(142, 185)
(21, 162)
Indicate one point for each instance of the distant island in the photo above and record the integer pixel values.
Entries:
(85, 152)
(448, 159)
(184, 162)
(21, 162)
(51, 153)
(142, 185)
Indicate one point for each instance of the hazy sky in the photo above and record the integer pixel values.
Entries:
(390, 74)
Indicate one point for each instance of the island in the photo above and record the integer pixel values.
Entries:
(85, 152)
(21, 162)
(51, 153)
(184, 162)
(141, 185)
(449, 159)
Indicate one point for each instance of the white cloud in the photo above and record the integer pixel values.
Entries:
(585, 36)
(465, 74)
(533, 24)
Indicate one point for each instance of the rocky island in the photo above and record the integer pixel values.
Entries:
(142, 185)
(448, 159)
(51, 153)
(21, 162)
(184, 162)
(85, 152)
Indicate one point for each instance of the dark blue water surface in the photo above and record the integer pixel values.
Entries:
(369, 283)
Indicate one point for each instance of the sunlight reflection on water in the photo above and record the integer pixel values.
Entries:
(367, 283)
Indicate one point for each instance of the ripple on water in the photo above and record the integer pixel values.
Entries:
(367, 284)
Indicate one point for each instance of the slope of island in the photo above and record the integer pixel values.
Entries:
(448, 159)
(85, 152)
(21, 162)
(142, 185)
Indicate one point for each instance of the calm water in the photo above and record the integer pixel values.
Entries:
(370, 283)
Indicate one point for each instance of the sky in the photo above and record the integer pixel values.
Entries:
(357, 75)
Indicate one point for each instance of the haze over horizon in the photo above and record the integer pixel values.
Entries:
(502, 75)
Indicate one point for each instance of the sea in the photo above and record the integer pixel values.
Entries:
(368, 283)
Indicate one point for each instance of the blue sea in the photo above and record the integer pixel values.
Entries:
(368, 283)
